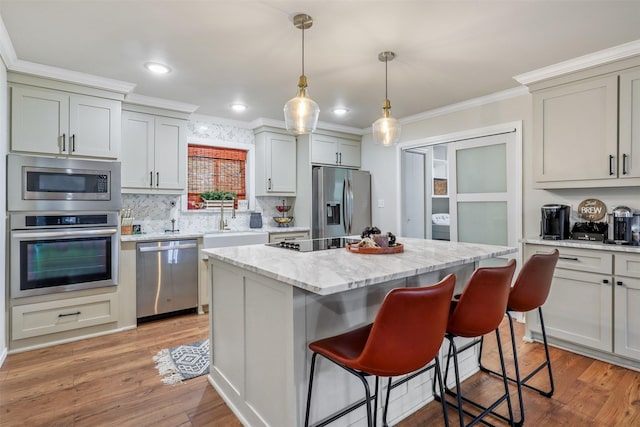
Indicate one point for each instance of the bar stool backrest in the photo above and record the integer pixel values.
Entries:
(532, 285)
(483, 302)
(408, 329)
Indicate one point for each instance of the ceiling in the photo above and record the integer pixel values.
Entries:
(248, 51)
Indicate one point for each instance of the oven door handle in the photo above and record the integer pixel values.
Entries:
(76, 233)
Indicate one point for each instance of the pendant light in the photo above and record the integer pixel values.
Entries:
(386, 130)
(301, 113)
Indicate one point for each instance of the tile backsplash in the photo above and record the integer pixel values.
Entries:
(154, 213)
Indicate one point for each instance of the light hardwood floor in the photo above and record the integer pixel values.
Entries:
(112, 381)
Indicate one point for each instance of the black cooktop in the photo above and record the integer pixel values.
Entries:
(315, 244)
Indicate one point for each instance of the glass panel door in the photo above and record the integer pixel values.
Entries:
(483, 190)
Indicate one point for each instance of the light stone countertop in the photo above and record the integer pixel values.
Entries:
(194, 235)
(583, 244)
(335, 270)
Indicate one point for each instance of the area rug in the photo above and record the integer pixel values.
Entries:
(183, 362)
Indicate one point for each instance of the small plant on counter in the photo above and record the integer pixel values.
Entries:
(218, 195)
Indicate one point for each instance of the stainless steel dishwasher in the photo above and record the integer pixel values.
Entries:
(166, 277)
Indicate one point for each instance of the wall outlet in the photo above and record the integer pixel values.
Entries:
(381, 203)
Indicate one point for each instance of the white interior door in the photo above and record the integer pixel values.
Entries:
(485, 190)
(413, 195)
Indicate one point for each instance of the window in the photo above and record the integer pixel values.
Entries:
(215, 169)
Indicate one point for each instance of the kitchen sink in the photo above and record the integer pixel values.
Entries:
(225, 238)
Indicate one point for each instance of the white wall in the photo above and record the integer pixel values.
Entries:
(4, 144)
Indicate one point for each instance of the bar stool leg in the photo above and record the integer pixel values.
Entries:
(313, 365)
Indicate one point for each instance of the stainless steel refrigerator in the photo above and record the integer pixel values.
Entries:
(341, 201)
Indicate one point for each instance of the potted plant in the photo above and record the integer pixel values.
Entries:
(218, 198)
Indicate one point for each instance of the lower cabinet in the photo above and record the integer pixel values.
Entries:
(592, 299)
(45, 318)
(626, 336)
(278, 237)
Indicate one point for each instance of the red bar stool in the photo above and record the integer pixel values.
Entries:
(529, 292)
(405, 336)
(478, 312)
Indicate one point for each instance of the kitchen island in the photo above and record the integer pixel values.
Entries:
(268, 303)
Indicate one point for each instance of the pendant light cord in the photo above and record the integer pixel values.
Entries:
(386, 78)
(303, 49)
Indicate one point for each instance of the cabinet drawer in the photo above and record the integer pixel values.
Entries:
(627, 265)
(281, 237)
(57, 316)
(584, 260)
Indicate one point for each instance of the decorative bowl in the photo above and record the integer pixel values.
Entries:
(283, 220)
(283, 208)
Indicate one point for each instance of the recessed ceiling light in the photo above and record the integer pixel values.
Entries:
(238, 107)
(157, 68)
(340, 111)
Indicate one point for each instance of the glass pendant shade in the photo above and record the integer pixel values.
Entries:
(301, 113)
(386, 130)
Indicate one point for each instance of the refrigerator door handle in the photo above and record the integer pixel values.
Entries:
(350, 196)
(345, 202)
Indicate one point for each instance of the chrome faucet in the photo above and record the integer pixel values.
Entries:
(221, 225)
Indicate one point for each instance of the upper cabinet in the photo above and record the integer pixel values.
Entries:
(154, 153)
(336, 151)
(275, 163)
(587, 132)
(45, 121)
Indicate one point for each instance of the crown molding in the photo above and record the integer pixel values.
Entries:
(464, 105)
(166, 104)
(601, 57)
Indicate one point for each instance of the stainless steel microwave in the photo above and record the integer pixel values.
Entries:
(58, 184)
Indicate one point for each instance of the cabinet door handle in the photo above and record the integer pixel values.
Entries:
(157, 179)
(569, 258)
(336, 157)
(619, 283)
(624, 164)
(150, 179)
(605, 281)
(64, 142)
(69, 314)
(73, 143)
(611, 158)
(269, 184)
(340, 158)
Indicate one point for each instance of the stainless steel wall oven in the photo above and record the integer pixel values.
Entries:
(57, 252)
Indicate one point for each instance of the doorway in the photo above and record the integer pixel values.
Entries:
(464, 187)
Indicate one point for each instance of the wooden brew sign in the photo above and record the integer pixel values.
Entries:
(592, 210)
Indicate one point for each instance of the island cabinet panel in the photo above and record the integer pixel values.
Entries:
(592, 305)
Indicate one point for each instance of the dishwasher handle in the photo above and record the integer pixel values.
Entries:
(167, 248)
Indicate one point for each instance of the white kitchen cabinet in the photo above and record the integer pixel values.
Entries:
(275, 164)
(627, 300)
(32, 320)
(332, 150)
(576, 123)
(277, 236)
(592, 305)
(153, 153)
(579, 308)
(629, 125)
(45, 121)
(592, 124)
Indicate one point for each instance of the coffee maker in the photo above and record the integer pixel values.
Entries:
(555, 222)
(622, 224)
